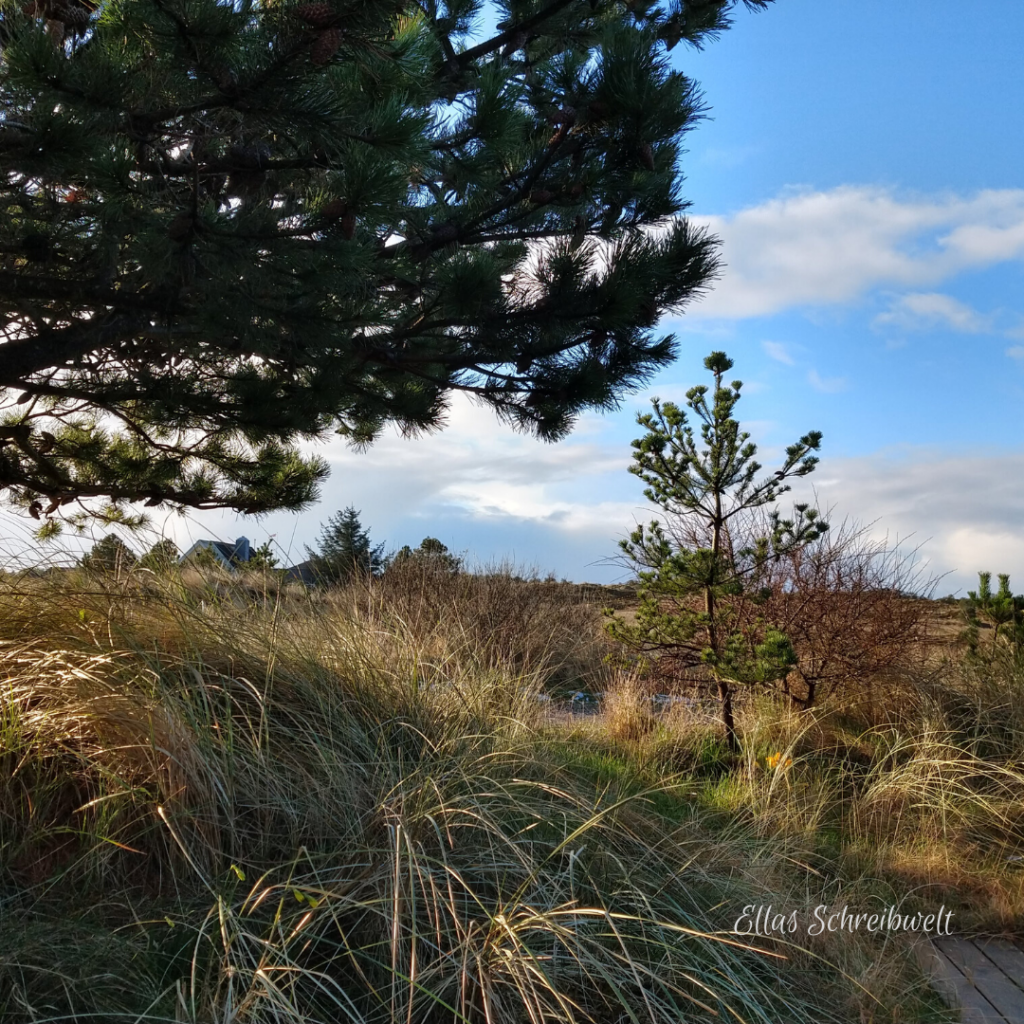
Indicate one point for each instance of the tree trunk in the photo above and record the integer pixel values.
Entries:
(724, 689)
(725, 698)
(810, 684)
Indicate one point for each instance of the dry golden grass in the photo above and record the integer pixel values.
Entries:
(255, 803)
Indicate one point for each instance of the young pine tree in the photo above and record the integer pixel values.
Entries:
(1001, 608)
(262, 559)
(109, 555)
(161, 557)
(345, 550)
(702, 568)
(432, 554)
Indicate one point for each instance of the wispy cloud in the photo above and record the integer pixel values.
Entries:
(566, 512)
(926, 311)
(778, 352)
(833, 247)
(727, 156)
(964, 510)
(827, 385)
(475, 485)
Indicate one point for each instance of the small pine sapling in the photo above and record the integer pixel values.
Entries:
(702, 569)
(1001, 608)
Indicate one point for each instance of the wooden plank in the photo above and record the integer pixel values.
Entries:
(951, 984)
(981, 973)
(1006, 956)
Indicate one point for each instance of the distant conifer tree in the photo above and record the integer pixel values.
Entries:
(109, 555)
(161, 556)
(345, 550)
(431, 553)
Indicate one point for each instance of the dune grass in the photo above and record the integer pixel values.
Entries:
(247, 803)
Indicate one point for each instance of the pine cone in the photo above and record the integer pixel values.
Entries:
(227, 80)
(647, 156)
(325, 46)
(348, 226)
(541, 196)
(75, 16)
(444, 233)
(558, 136)
(319, 15)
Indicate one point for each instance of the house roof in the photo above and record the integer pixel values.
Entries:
(226, 553)
(241, 551)
(303, 572)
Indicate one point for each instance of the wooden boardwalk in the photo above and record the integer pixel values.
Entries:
(985, 977)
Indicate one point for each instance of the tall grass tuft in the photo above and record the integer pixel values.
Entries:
(227, 803)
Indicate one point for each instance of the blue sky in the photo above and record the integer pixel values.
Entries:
(863, 163)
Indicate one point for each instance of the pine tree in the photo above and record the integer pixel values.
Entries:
(163, 555)
(702, 573)
(109, 555)
(1001, 608)
(345, 550)
(431, 554)
(262, 559)
(228, 227)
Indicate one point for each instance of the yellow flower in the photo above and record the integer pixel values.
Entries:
(775, 760)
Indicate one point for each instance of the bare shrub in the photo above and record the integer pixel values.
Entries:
(853, 608)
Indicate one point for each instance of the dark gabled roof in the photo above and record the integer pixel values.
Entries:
(303, 572)
(239, 551)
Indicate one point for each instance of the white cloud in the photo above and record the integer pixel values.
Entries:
(477, 485)
(778, 352)
(925, 311)
(827, 385)
(727, 156)
(826, 248)
(481, 489)
(1015, 351)
(963, 510)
